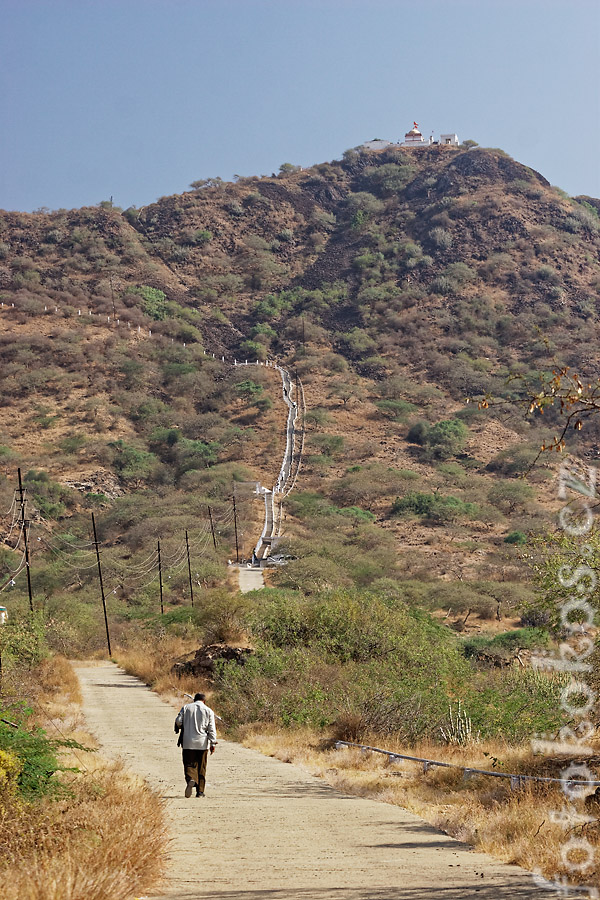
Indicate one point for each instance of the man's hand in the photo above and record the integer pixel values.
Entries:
(212, 749)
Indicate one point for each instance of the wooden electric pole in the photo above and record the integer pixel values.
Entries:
(237, 549)
(187, 547)
(101, 585)
(162, 609)
(24, 527)
(212, 528)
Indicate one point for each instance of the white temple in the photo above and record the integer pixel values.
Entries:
(413, 140)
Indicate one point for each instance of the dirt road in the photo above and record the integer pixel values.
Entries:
(270, 831)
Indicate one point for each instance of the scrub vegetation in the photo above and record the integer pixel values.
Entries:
(418, 555)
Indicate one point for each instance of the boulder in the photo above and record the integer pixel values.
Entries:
(202, 661)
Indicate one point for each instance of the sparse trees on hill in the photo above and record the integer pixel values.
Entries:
(443, 440)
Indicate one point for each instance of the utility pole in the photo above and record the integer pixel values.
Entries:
(101, 585)
(24, 527)
(187, 547)
(162, 609)
(212, 528)
(237, 549)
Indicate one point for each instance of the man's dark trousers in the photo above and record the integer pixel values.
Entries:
(194, 766)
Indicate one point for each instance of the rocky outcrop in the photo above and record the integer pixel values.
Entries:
(101, 482)
(202, 662)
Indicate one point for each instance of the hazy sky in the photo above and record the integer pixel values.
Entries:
(137, 98)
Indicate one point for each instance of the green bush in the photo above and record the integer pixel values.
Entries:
(154, 301)
(440, 238)
(396, 409)
(131, 463)
(515, 537)
(379, 660)
(37, 756)
(50, 497)
(443, 440)
(388, 179)
(438, 509)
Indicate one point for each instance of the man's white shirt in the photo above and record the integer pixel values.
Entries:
(198, 721)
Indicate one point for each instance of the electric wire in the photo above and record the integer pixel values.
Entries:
(11, 507)
(73, 546)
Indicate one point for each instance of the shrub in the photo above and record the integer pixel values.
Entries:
(154, 301)
(514, 461)
(389, 178)
(510, 496)
(131, 463)
(364, 202)
(440, 238)
(396, 409)
(33, 755)
(249, 389)
(444, 439)
(438, 509)
(49, 496)
(357, 342)
(515, 537)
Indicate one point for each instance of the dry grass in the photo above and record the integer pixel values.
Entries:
(104, 839)
(147, 662)
(513, 826)
(103, 842)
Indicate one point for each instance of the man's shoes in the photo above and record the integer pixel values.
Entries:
(199, 793)
(189, 788)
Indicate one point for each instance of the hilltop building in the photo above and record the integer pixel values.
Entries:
(413, 140)
(377, 144)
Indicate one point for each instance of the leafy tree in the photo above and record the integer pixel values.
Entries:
(154, 301)
(438, 509)
(365, 202)
(510, 496)
(131, 463)
(345, 391)
(249, 389)
(389, 178)
(444, 439)
(206, 183)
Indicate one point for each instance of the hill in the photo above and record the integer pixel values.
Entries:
(396, 283)
(417, 570)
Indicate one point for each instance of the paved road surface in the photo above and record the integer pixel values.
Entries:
(270, 831)
(250, 579)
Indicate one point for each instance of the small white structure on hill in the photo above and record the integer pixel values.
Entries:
(377, 144)
(3, 615)
(413, 140)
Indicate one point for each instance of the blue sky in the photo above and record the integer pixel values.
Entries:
(137, 98)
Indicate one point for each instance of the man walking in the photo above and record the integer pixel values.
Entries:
(198, 734)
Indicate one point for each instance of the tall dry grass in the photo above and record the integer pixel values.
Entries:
(513, 826)
(103, 839)
(151, 662)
